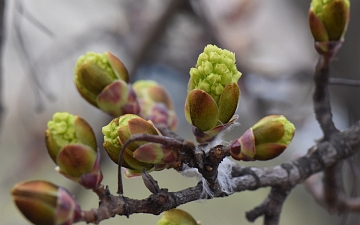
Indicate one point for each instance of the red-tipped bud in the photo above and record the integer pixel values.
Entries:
(42, 202)
(71, 143)
(138, 154)
(155, 103)
(267, 139)
(102, 80)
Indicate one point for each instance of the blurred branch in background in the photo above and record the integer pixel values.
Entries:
(26, 54)
(2, 35)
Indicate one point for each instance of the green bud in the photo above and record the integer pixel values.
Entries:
(138, 154)
(152, 91)
(71, 144)
(156, 104)
(328, 19)
(213, 93)
(42, 202)
(76, 159)
(102, 80)
(176, 217)
(118, 131)
(267, 139)
(215, 67)
(81, 164)
(94, 71)
(118, 98)
(65, 129)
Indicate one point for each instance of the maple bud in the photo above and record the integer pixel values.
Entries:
(267, 139)
(42, 202)
(155, 103)
(328, 19)
(102, 80)
(213, 93)
(66, 128)
(138, 154)
(71, 144)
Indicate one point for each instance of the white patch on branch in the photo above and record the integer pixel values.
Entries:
(225, 180)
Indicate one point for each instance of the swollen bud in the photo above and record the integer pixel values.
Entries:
(328, 19)
(177, 217)
(155, 103)
(102, 80)
(65, 129)
(213, 93)
(138, 154)
(267, 139)
(71, 144)
(42, 202)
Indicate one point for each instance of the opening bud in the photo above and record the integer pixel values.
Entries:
(102, 79)
(71, 144)
(65, 129)
(138, 154)
(213, 93)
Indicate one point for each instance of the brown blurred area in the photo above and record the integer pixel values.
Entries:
(160, 40)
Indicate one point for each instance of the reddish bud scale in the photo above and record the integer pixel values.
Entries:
(267, 139)
(42, 202)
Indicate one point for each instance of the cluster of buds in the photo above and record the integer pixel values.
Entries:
(328, 20)
(71, 144)
(267, 139)
(213, 93)
(177, 217)
(42, 202)
(138, 154)
(155, 103)
(102, 79)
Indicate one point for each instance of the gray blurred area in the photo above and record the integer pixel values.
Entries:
(160, 40)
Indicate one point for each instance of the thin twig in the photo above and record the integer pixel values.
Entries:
(321, 98)
(2, 34)
(154, 32)
(344, 82)
(271, 207)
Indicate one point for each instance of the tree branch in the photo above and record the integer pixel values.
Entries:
(282, 177)
(321, 98)
(344, 82)
(271, 207)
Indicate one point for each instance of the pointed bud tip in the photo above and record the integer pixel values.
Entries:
(42, 202)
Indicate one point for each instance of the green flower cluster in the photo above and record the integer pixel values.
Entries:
(214, 70)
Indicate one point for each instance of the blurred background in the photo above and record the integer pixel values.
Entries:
(161, 40)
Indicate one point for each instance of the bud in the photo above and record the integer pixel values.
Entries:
(81, 164)
(267, 139)
(42, 202)
(138, 154)
(102, 80)
(156, 104)
(213, 93)
(176, 217)
(65, 129)
(71, 144)
(328, 19)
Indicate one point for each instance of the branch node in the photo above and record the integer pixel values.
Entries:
(150, 182)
